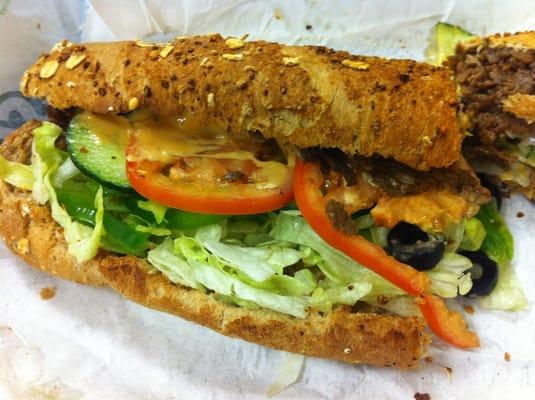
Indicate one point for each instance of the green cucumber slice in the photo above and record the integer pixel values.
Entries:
(442, 42)
(97, 146)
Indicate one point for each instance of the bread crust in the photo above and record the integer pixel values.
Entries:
(354, 337)
(302, 95)
(521, 40)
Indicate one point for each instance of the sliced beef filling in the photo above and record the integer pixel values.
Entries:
(395, 192)
(493, 81)
(487, 77)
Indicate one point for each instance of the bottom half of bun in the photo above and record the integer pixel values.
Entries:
(343, 334)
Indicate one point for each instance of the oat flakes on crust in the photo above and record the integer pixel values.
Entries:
(303, 95)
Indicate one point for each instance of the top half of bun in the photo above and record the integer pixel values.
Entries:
(302, 95)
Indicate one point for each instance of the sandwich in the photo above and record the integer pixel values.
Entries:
(495, 76)
(297, 197)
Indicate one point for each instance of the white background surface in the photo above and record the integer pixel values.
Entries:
(89, 343)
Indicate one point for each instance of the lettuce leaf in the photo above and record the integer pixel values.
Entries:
(498, 242)
(474, 234)
(448, 278)
(336, 266)
(83, 242)
(16, 174)
(199, 270)
(498, 245)
(508, 293)
(258, 263)
(158, 210)
(45, 157)
(175, 268)
(66, 171)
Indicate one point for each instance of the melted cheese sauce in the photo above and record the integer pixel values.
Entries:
(108, 129)
(431, 211)
(168, 139)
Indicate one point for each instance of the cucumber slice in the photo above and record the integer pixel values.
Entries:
(442, 42)
(97, 146)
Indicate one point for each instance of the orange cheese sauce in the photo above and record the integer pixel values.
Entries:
(431, 211)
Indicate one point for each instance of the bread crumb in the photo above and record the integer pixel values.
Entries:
(48, 69)
(358, 65)
(23, 246)
(347, 350)
(469, 309)
(74, 60)
(428, 359)
(133, 104)
(422, 396)
(520, 214)
(449, 372)
(507, 356)
(278, 13)
(71, 84)
(47, 293)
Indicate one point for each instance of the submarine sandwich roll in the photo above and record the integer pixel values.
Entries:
(297, 197)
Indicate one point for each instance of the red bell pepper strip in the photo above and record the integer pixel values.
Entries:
(448, 325)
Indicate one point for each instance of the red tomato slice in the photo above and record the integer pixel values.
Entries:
(448, 325)
(202, 184)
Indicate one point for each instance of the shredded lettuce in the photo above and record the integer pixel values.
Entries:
(45, 157)
(508, 293)
(82, 241)
(153, 230)
(258, 263)
(474, 234)
(18, 175)
(448, 278)
(199, 269)
(400, 305)
(158, 210)
(336, 266)
(255, 276)
(498, 242)
(454, 233)
(66, 171)
(274, 260)
(175, 268)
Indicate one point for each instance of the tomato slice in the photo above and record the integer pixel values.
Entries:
(211, 185)
(447, 325)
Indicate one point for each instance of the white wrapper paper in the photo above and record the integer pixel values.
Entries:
(89, 343)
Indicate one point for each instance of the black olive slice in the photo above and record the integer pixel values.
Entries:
(411, 245)
(484, 273)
